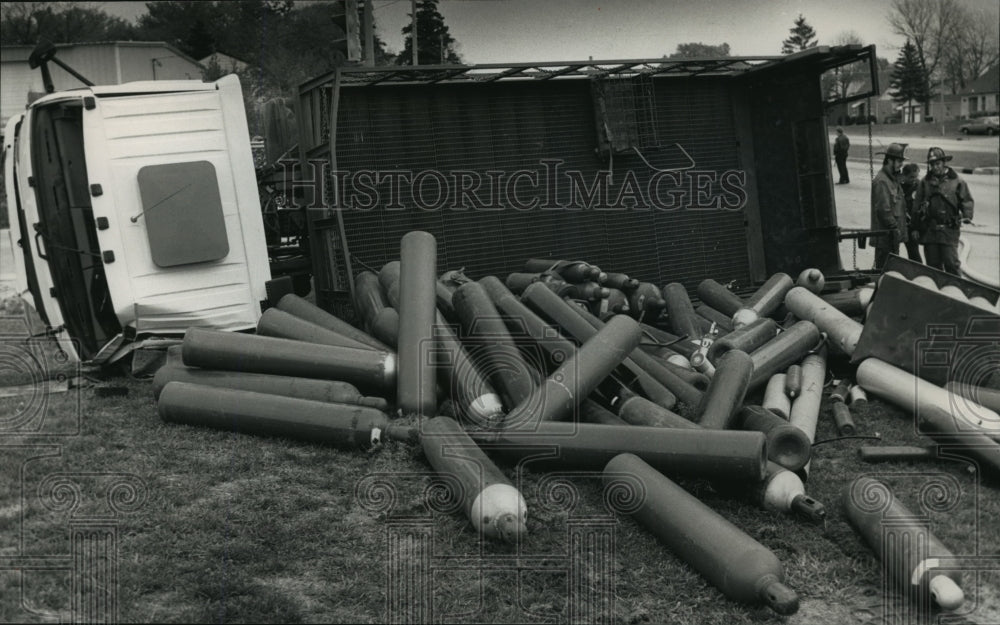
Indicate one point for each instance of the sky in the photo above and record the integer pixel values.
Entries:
(514, 31)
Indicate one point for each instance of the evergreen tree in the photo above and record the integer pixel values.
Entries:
(908, 79)
(435, 44)
(802, 37)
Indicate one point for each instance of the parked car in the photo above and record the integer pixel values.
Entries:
(981, 126)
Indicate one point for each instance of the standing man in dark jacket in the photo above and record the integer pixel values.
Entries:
(840, 146)
(888, 205)
(943, 203)
(909, 181)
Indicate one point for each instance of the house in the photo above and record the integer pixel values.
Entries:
(981, 95)
(103, 63)
(881, 106)
(225, 62)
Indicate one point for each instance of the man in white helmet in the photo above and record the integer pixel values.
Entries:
(944, 203)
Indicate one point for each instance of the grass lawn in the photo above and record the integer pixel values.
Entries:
(223, 527)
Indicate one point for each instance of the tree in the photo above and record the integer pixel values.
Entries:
(802, 37)
(908, 80)
(59, 22)
(933, 27)
(838, 83)
(435, 45)
(700, 51)
(973, 51)
(191, 27)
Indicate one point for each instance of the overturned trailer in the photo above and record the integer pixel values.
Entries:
(671, 170)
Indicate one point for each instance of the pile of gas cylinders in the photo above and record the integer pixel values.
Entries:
(620, 375)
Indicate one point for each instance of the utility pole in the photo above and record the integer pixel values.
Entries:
(413, 33)
(368, 25)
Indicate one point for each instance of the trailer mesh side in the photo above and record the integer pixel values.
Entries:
(657, 124)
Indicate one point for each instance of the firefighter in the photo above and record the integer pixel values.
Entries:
(943, 204)
(889, 205)
(840, 147)
(909, 181)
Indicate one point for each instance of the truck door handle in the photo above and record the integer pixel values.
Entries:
(39, 238)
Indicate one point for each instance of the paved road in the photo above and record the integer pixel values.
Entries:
(983, 236)
(916, 147)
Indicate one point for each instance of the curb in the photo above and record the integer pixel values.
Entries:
(989, 171)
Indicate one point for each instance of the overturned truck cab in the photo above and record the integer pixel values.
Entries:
(134, 213)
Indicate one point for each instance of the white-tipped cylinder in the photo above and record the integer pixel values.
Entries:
(744, 317)
(811, 279)
(702, 364)
(775, 398)
(925, 281)
(946, 593)
(680, 361)
(492, 512)
(856, 396)
(486, 409)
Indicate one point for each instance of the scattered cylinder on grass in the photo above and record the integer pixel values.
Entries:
(723, 324)
(385, 326)
(303, 309)
(895, 453)
(918, 396)
(811, 279)
(330, 391)
(764, 301)
(729, 456)
(857, 396)
(369, 300)
(841, 391)
(283, 325)
(582, 326)
(739, 566)
(416, 382)
(620, 281)
(493, 505)
(346, 426)
(388, 277)
(368, 369)
(495, 349)
(787, 445)
(843, 420)
(805, 408)
(851, 302)
(646, 301)
(793, 381)
(560, 394)
(680, 312)
(460, 375)
(911, 554)
(637, 410)
(781, 491)
(843, 332)
(726, 391)
(747, 339)
(719, 297)
(775, 398)
(593, 412)
(988, 397)
(783, 350)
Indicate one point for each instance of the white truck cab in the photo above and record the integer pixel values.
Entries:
(134, 212)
